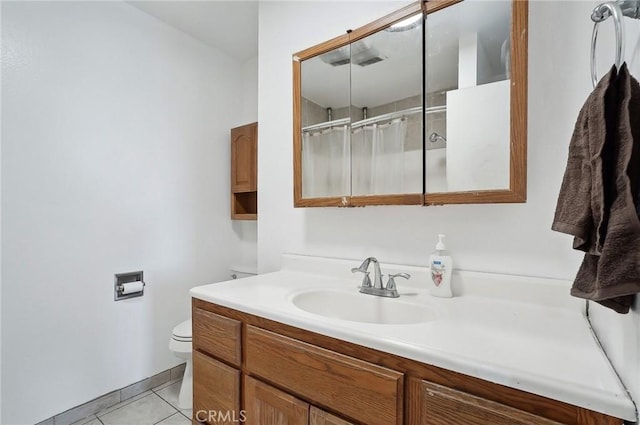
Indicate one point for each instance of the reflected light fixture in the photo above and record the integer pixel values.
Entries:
(406, 24)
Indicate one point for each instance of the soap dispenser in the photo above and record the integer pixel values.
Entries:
(440, 265)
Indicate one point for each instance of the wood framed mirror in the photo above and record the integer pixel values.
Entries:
(425, 106)
(476, 102)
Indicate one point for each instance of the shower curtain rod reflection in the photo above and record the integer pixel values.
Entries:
(379, 118)
(327, 124)
(398, 114)
(385, 117)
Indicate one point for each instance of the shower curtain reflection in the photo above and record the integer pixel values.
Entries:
(378, 158)
(326, 163)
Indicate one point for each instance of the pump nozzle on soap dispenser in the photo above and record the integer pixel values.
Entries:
(440, 265)
(440, 245)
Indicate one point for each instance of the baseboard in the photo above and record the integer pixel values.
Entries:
(114, 397)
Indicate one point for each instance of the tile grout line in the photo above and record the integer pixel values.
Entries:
(151, 392)
(164, 419)
(167, 401)
(170, 405)
(163, 399)
(126, 403)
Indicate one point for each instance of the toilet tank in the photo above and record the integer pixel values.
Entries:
(239, 272)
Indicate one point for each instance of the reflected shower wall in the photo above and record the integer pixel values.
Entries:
(435, 165)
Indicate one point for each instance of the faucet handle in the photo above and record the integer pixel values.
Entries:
(391, 283)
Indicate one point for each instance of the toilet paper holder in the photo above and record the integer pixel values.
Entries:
(128, 285)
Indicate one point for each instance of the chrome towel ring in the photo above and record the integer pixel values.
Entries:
(601, 13)
(618, 9)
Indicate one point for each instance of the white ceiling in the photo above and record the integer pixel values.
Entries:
(230, 26)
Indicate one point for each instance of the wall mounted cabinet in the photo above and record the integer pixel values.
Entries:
(244, 172)
(426, 105)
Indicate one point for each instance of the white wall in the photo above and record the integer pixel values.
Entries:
(246, 231)
(0, 238)
(115, 158)
(499, 238)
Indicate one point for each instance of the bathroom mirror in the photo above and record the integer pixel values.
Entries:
(475, 133)
(358, 125)
(415, 111)
(325, 114)
(386, 111)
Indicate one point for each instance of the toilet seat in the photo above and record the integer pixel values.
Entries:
(182, 332)
(177, 338)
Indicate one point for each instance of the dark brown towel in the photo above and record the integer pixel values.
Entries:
(613, 277)
(581, 209)
(604, 167)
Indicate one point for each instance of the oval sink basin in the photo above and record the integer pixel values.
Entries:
(357, 307)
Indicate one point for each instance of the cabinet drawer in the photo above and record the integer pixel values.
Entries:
(443, 406)
(359, 390)
(217, 335)
(216, 391)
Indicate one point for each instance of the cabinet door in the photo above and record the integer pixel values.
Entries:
(216, 391)
(244, 163)
(320, 417)
(433, 404)
(265, 405)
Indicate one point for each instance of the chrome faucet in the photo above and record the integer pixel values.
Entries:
(376, 288)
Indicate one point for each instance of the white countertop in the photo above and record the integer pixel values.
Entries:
(521, 332)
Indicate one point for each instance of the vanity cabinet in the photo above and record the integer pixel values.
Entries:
(267, 405)
(360, 390)
(275, 374)
(216, 363)
(320, 417)
(270, 406)
(439, 405)
(217, 389)
(244, 172)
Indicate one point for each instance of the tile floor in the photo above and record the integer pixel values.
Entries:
(158, 406)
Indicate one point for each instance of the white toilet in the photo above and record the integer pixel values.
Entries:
(180, 344)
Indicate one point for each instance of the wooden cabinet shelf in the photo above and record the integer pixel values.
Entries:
(244, 172)
(245, 206)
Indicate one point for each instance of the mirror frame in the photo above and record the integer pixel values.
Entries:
(518, 117)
